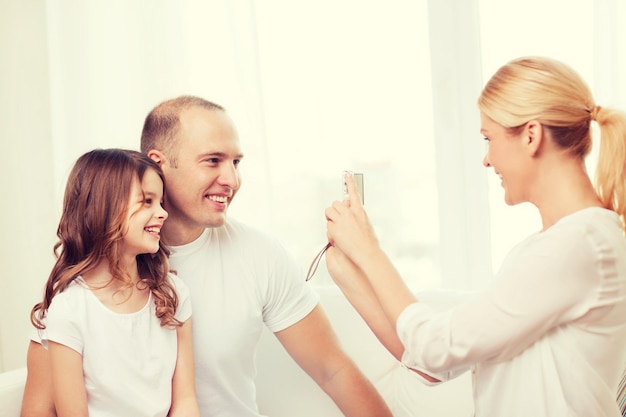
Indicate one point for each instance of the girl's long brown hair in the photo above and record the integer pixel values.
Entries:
(92, 225)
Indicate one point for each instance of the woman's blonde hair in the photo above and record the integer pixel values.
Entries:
(546, 90)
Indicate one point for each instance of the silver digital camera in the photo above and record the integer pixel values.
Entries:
(358, 180)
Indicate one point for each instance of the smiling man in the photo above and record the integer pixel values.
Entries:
(240, 279)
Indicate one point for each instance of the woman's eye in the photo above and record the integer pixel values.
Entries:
(148, 201)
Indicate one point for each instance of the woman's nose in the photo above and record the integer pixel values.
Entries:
(486, 163)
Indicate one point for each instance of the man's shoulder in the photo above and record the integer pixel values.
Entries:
(234, 227)
(252, 239)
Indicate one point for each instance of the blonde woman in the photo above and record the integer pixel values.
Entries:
(548, 338)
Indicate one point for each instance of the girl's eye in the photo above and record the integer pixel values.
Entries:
(148, 201)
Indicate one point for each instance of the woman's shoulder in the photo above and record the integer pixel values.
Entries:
(594, 225)
(580, 239)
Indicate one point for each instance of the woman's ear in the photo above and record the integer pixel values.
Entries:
(533, 137)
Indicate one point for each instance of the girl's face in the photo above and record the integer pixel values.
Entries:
(145, 215)
(506, 155)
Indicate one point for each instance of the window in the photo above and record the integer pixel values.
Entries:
(341, 92)
(513, 29)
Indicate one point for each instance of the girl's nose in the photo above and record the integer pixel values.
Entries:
(162, 214)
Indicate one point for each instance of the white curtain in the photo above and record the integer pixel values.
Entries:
(386, 88)
(82, 75)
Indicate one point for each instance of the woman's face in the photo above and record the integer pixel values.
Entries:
(506, 155)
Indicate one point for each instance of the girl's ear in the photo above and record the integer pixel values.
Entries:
(533, 137)
(157, 156)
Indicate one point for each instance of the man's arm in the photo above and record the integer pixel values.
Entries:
(312, 343)
(38, 400)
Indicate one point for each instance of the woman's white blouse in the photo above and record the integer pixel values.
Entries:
(548, 338)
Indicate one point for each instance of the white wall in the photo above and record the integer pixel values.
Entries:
(79, 75)
(27, 216)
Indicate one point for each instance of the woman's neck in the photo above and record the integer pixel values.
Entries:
(563, 189)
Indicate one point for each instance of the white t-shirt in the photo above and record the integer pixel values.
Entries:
(128, 359)
(549, 337)
(240, 281)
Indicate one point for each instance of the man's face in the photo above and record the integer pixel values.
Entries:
(201, 183)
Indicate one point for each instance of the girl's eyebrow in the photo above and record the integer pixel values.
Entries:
(145, 194)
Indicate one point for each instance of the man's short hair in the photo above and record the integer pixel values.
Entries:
(162, 124)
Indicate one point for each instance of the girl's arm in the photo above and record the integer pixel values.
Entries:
(184, 402)
(68, 384)
(38, 400)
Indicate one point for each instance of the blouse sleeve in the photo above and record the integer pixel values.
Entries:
(545, 281)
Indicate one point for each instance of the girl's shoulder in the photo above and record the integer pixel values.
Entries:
(75, 287)
(75, 297)
(179, 285)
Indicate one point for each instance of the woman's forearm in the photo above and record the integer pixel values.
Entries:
(392, 293)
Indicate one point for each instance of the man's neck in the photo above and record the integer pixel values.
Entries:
(177, 234)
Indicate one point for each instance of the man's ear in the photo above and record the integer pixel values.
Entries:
(533, 137)
(157, 156)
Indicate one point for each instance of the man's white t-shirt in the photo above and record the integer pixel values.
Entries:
(241, 280)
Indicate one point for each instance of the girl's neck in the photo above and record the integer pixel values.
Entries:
(116, 294)
(101, 274)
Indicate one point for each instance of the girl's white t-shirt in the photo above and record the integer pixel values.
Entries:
(128, 359)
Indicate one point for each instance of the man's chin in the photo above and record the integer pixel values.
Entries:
(216, 221)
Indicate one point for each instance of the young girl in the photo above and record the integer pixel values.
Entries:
(116, 323)
(548, 338)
